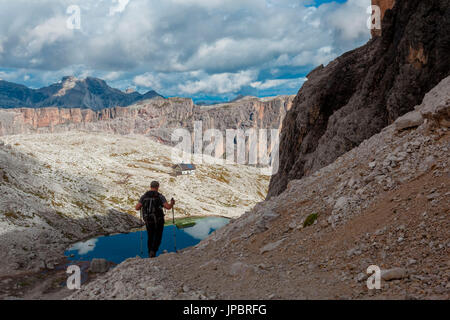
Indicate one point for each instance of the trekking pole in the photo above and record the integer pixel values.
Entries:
(174, 229)
(142, 251)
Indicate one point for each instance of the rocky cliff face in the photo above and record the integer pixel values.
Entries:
(70, 92)
(137, 118)
(156, 117)
(364, 90)
(242, 114)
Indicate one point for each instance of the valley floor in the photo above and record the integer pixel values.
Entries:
(60, 188)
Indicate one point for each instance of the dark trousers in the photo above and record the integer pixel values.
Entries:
(155, 228)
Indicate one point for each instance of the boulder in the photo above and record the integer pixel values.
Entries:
(271, 246)
(99, 266)
(394, 274)
(436, 104)
(266, 218)
(410, 120)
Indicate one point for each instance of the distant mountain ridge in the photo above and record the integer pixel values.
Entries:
(70, 92)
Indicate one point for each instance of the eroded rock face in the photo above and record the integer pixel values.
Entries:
(135, 119)
(366, 89)
(156, 117)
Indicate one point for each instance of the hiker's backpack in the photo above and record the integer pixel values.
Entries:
(151, 206)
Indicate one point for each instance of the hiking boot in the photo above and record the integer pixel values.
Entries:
(152, 254)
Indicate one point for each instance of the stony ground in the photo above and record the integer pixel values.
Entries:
(60, 188)
(385, 203)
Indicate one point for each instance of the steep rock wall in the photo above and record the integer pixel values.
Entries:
(366, 89)
(156, 117)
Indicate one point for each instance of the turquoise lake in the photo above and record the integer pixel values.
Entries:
(117, 248)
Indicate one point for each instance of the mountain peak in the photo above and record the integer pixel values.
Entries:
(69, 78)
(70, 92)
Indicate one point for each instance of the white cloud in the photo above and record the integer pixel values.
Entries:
(84, 247)
(119, 7)
(348, 20)
(320, 56)
(268, 84)
(147, 80)
(219, 83)
(114, 75)
(45, 34)
(12, 75)
(203, 227)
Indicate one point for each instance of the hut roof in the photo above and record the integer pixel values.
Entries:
(184, 167)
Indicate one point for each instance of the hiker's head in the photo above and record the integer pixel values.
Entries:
(154, 185)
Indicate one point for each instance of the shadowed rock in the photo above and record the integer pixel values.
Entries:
(366, 89)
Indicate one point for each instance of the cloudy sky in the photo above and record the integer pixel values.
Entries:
(205, 49)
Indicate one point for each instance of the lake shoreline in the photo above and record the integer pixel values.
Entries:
(118, 247)
(48, 283)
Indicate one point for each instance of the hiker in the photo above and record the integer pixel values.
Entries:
(152, 203)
